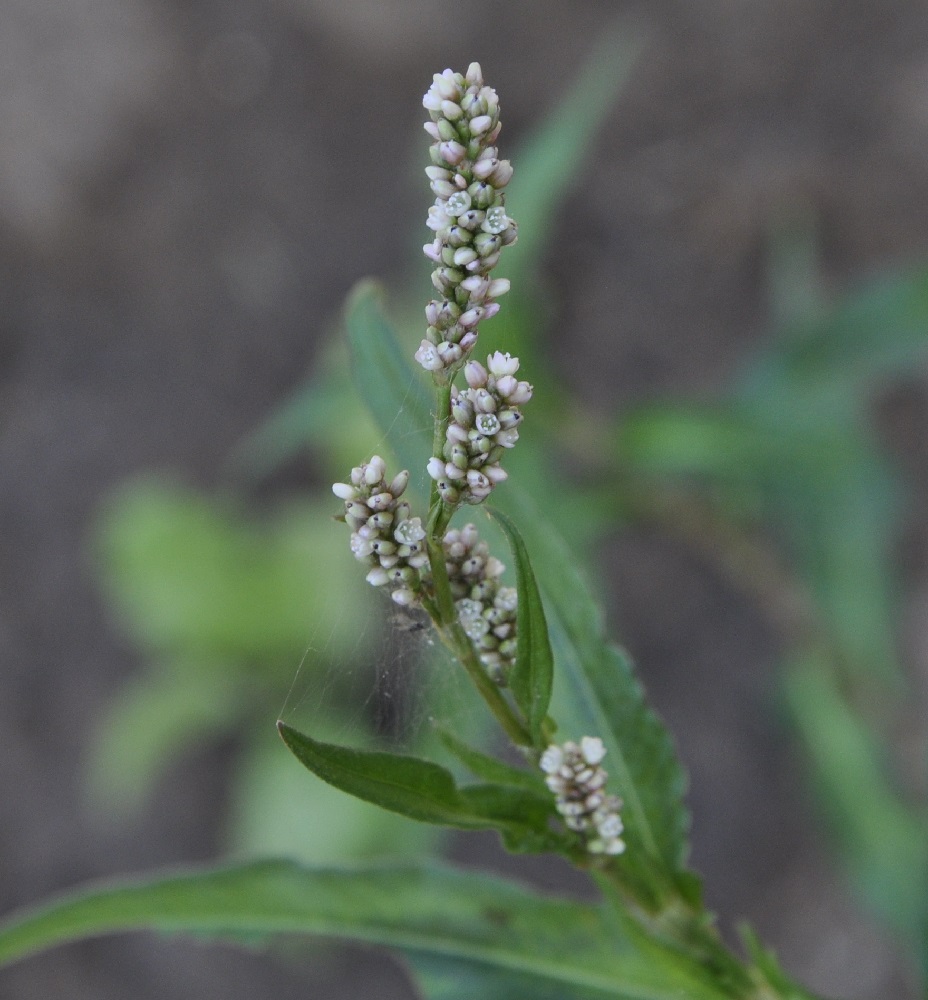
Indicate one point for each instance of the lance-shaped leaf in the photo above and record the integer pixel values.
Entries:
(490, 768)
(383, 375)
(597, 693)
(531, 677)
(432, 910)
(425, 791)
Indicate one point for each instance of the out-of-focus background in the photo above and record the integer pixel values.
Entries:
(188, 192)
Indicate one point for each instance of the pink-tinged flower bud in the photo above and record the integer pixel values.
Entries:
(452, 472)
(502, 175)
(501, 364)
(442, 188)
(463, 257)
(474, 75)
(374, 470)
(433, 251)
(467, 341)
(478, 482)
(506, 385)
(478, 287)
(344, 492)
(432, 130)
(436, 468)
(432, 101)
(377, 577)
(483, 169)
(495, 473)
(400, 482)
(449, 353)
(379, 501)
(451, 111)
(403, 597)
(480, 124)
(446, 86)
(438, 173)
(490, 310)
(452, 152)
(498, 286)
(431, 313)
(521, 394)
(475, 374)
(457, 433)
(470, 319)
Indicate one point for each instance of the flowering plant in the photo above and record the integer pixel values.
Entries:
(565, 698)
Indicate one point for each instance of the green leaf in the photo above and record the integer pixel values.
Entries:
(532, 676)
(395, 394)
(429, 909)
(880, 330)
(550, 159)
(489, 768)
(423, 790)
(152, 722)
(442, 978)
(596, 694)
(884, 843)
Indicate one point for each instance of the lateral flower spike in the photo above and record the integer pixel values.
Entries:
(383, 535)
(468, 218)
(484, 424)
(486, 609)
(574, 775)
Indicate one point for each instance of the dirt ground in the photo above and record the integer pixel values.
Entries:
(187, 192)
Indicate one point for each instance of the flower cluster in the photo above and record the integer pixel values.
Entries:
(486, 609)
(383, 535)
(469, 215)
(578, 782)
(485, 420)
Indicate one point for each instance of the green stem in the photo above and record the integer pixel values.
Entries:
(444, 614)
(442, 419)
(692, 936)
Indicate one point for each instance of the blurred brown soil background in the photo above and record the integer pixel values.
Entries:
(187, 192)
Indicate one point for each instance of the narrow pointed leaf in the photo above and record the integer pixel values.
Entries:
(422, 790)
(596, 693)
(431, 910)
(490, 768)
(441, 978)
(394, 392)
(532, 676)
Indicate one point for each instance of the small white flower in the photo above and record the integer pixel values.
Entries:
(458, 204)
(428, 357)
(410, 531)
(501, 364)
(487, 424)
(551, 759)
(593, 749)
(496, 220)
